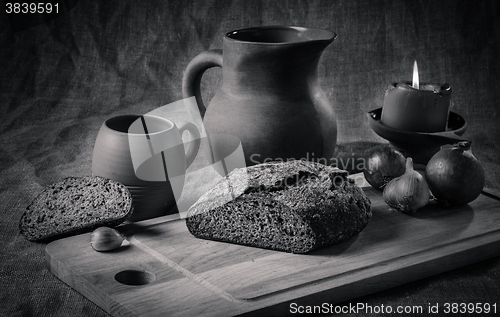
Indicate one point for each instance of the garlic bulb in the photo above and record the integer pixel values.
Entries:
(106, 239)
(407, 192)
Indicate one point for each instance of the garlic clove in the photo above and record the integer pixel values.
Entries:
(106, 239)
(409, 192)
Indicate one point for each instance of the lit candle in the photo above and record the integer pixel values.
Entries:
(417, 107)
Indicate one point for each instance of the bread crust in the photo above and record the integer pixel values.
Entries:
(294, 206)
(75, 205)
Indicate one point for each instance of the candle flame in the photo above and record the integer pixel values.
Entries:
(415, 76)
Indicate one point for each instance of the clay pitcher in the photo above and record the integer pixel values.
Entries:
(270, 96)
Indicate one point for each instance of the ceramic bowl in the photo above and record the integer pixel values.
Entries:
(420, 146)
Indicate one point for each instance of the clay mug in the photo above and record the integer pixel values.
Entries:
(146, 154)
(270, 97)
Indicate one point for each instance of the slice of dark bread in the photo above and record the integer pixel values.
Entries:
(294, 206)
(75, 205)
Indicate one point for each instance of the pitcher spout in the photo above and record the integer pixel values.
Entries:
(282, 35)
(286, 43)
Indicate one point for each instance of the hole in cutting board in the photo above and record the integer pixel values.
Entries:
(134, 277)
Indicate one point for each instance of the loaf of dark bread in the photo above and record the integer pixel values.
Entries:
(75, 205)
(294, 206)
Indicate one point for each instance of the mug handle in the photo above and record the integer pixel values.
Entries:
(191, 80)
(195, 143)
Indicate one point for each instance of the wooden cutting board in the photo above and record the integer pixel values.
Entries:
(164, 271)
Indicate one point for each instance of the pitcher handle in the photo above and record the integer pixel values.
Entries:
(195, 143)
(191, 81)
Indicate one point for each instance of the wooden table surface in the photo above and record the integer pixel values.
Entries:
(164, 270)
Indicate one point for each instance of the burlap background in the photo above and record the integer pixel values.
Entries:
(62, 78)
